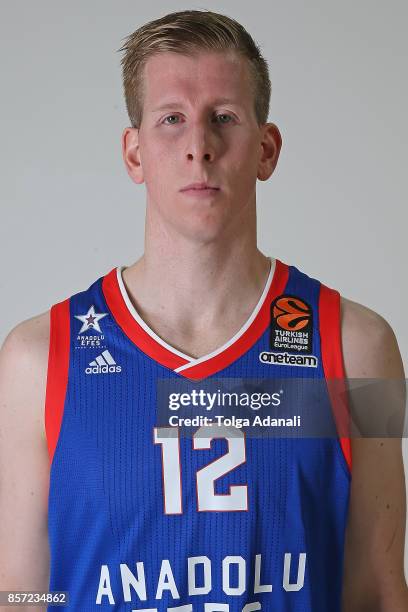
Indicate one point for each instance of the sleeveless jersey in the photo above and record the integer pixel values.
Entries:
(141, 517)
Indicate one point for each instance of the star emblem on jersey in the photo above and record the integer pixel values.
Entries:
(90, 320)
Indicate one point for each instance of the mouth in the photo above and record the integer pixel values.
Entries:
(200, 187)
(201, 192)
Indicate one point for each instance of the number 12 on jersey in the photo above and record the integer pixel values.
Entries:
(207, 499)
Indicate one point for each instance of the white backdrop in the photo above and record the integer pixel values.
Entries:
(335, 208)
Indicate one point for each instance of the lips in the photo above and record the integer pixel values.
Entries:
(199, 187)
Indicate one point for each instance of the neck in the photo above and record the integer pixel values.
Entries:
(202, 283)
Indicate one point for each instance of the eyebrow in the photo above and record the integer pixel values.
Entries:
(172, 104)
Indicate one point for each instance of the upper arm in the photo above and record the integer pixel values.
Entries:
(24, 464)
(374, 548)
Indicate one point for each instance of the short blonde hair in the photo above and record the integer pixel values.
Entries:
(188, 32)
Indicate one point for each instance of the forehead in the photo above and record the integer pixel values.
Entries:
(202, 74)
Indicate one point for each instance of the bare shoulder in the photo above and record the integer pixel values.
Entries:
(23, 369)
(370, 347)
(24, 461)
(377, 511)
(29, 336)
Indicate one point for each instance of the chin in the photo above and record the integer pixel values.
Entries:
(201, 230)
(199, 223)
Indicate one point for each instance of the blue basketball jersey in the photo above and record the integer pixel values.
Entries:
(144, 514)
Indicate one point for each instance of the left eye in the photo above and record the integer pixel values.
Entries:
(224, 115)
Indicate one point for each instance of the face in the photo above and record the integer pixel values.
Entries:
(199, 126)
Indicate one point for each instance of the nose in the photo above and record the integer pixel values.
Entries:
(200, 144)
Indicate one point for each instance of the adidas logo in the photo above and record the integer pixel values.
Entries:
(103, 364)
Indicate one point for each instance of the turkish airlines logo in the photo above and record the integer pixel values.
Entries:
(291, 327)
(291, 313)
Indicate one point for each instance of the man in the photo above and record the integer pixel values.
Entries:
(143, 519)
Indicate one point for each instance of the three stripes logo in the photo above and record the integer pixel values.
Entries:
(103, 364)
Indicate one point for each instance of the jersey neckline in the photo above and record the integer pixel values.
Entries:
(135, 328)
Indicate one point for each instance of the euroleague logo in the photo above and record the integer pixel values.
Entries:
(291, 313)
(291, 333)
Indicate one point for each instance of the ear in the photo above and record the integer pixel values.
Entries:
(131, 154)
(271, 143)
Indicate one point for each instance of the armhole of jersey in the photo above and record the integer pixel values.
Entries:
(333, 365)
(57, 373)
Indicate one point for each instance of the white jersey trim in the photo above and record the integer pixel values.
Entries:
(192, 360)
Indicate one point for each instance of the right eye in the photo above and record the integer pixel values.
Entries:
(169, 117)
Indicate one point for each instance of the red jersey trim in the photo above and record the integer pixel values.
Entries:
(166, 357)
(131, 327)
(250, 336)
(57, 373)
(333, 366)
